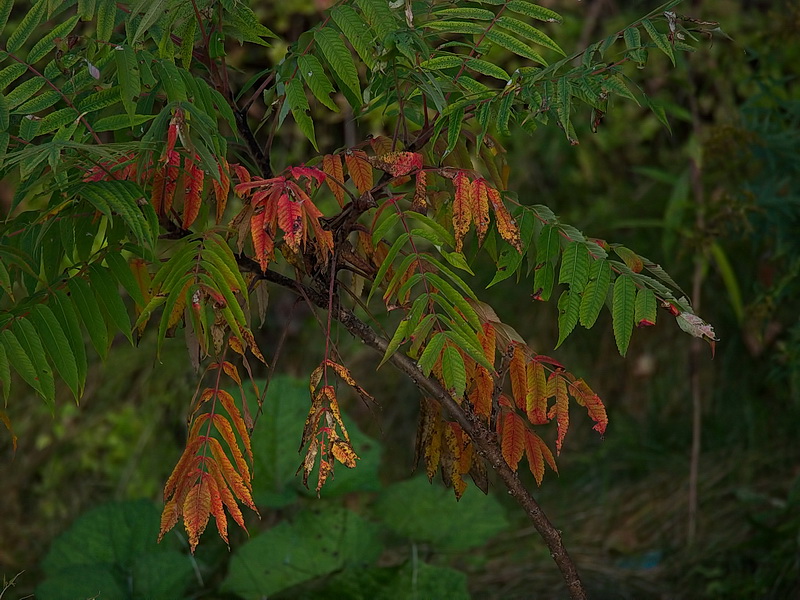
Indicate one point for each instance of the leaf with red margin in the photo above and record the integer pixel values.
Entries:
(538, 452)
(263, 244)
(512, 438)
(308, 172)
(182, 467)
(165, 180)
(519, 377)
(194, 177)
(242, 174)
(197, 510)
(557, 387)
(360, 170)
(290, 220)
(506, 226)
(462, 208)
(585, 396)
(480, 208)
(536, 398)
(332, 165)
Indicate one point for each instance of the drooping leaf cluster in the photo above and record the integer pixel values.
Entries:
(135, 167)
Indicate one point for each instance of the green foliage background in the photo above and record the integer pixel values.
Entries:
(621, 502)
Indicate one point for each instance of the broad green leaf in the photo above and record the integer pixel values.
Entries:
(575, 266)
(534, 10)
(4, 122)
(470, 345)
(31, 343)
(86, 9)
(57, 119)
(569, 307)
(458, 260)
(57, 346)
(5, 12)
(20, 360)
(90, 313)
(614, 83)
(25, 28)
(24, 91)
(529, 33)
(11, 73)
(448, 61)
(314, 75)
(107, 292)
(431, 353)
(623, 311)
(487, 68)
(508, 264)
(339, 58)
(480, 14)
(397, 339)
(296, 98)
(379, 16)
(219, 247)
(387, 262)
(45, 45)
(463, 27)
(156, 8)
(28, 129)
(548, 245)
(543, 281)
(356, 31)
(106, 19)
(128, 77)
(659, 39)
(64, 311)
(453, 372)
(380, 231)
(421, 331)
(633, 42)
(117, 122)
(646, 308)
(594, 296)
(44, 100)
(176, 294)
(512, 44)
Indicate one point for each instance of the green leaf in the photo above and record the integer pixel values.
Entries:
(456, 299)
(57, 119)
(594, 296)
(296, 97)
(122, 273)
(5, 371)
(25, 28)
(543, 281)
(504, 113)
(64, 311)
(431, 353)
(128, 77)
(397, 339)
(454, 123)
(5, 12)
(32, 345)
(11, 73)
(561, 101)
(339, 58)
(314, 75)
(447, 61)
(646, 308)
(575, 266)
(45, 45)
(529, 33)
(623, 311)
(58, 347)
(487, 68)
(512, 44)
(387, 262)
(90, 313)
(155, 10)
(458, 260)
(462, 27)
(86, 9)
(107, 292)
(534, 10)
(633, 42)
(20, 360)
(548, 246)
(378, 15)
(569, 307)
(444, 235)
(121, 197)
(660, 39)
(24, 91)
(44, 100)
(106, 19)
(356, 31)
(453, 372)
(28, 128)
(615, 83)
(117, 122)
(4, 122)
(380, 231)
(480, 14)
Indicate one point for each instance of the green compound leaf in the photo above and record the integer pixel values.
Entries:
(623, 311)
(431, 353)
(453, 372)
(105, 289)
(575, 266)
(296, 97)
(512, 44)
(57, 346)
(569, 306)
(595, 293)
(25, 28)
(646, 308)
(31, 343)
(314, 75)
(357, 32)
(660, 40)
(90, 313)
(339, 58)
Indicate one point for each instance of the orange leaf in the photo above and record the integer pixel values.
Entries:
(239, 487)
(169, 517)
(329, 393)
(433, 448)
(559, 410)
(231, 371)
(344, 373)
(344, 453)
(488, 341)
(226, 431)
(217, 509)
(332, 165)
(398, 164)
(182, 467)
(513, 439)
(225, 493)
(221, 188)
(381, 144)
(325, 469)
(194, 177)
(164, 182)
(450, 461)
(290, 220)
(227, 401)
(536, 398)
(197, 510)
(506, 226)
(484, 387)
(480, 208)
(263, 244)
(360, 169)
(519, 378)
(420, 202)
(538, 452)
(584, 395)
(462, 207)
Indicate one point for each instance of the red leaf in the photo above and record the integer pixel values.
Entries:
(290, 220)
(537, 453)
(194, 177)
(585, 396)
(309, 172)
(360, 169)
(398, 164)
(513, 439)
(221, 188)
(263, 244)
(164, 182)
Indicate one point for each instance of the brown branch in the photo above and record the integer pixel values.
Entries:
(484, 439)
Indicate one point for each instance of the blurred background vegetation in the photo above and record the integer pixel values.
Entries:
(716, 200)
